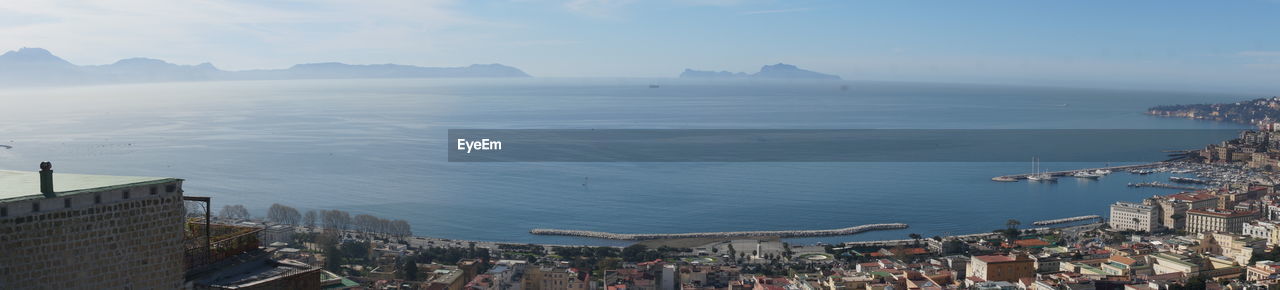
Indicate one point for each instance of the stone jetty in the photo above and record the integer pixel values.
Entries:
(782, 234)
(1067, 220)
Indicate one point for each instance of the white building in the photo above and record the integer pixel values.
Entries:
(1258, 229)
(276, 233)
(1134, 216)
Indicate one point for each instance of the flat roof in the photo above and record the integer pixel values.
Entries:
(21, 185)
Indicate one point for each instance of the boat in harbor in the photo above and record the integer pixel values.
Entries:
(1086, 174)
(1038, 175)
(1179, 179)
(1043, 177)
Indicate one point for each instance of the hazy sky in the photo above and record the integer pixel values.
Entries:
(1197, 44)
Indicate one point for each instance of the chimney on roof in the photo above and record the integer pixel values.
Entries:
(46, 179)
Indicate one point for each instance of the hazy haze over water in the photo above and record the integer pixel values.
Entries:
(373, 146)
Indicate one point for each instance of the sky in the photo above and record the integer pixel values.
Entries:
(1210, 45)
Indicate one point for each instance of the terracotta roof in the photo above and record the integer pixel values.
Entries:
(1123, 260)
(1193, 196)
(994, 258)
(1031, 243)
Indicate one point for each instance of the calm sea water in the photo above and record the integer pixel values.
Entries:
(373, 146)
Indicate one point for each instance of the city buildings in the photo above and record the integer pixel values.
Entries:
(1134, 216)
(1218, 220)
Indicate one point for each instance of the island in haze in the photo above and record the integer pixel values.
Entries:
(36, 66)
(776, 71)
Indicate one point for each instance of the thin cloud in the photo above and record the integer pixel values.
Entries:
(1259, 53)
(775, 11)
(597, 8)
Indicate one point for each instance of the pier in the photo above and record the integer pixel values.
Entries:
(1016, 177)
(780, 234)
(1067, 220)
(1163, 185)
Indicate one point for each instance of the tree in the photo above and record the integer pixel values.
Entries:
(400, 228)
(365, 223)
(336, 220)
(1012, 224)
(916, 237)
(283, 214)
(234, 212)
(1194, 282)
(634, 253)
(309, 219)
(410, 270)
(333, 258)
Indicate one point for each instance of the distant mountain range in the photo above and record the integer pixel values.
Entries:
(777, 71)
(36, 66)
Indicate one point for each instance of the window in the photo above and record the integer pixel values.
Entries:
(4, 211)
(153, 190)
(97, 198)
(35, 207)
(125, 195)
(66, 203)
(170, 188)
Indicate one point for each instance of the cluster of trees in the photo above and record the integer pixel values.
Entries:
(1272, 255)
(598, 258)
(327, 219)
(451, 256)
(529, 248)
(371, 224)
(338, 253)
(284, 214)
(641, 253)
(234, 211)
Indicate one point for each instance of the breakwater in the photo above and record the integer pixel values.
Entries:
(1067, 220)
(781, 234)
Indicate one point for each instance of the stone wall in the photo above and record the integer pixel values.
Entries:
(131, 243)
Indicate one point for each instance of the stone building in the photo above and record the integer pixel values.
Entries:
(1134, 216)
(1008, 268)
(554, 278)
(1218, 220)
(1173, 208)
(75, 231)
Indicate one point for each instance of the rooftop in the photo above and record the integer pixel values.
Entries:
(21, 185)
(1220, 212)
(994, 258)
(1193, 196)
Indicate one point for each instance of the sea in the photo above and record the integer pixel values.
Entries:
(379, 147)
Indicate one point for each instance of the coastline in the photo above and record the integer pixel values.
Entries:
(780, 234)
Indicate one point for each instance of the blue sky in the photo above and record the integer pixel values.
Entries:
(1207, 45)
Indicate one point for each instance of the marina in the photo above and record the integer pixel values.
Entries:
(1050, 174)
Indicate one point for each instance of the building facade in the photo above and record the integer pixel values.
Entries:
(75, 231)
(1002, 267)
(1218, 220)
(1134, 216)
